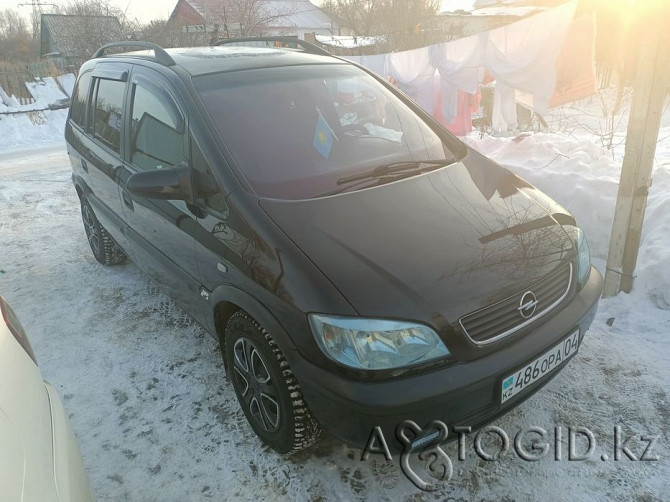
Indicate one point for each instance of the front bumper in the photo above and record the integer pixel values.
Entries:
(460, 394)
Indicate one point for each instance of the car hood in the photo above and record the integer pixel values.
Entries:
(432, 247)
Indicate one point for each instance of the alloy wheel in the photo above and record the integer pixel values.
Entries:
(255, 385)
(91, 228)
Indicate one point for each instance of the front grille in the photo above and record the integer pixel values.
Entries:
(503, 318)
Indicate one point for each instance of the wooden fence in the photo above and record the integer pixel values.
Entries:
(13, 78)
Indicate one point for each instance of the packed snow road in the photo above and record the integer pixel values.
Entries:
(156, 420)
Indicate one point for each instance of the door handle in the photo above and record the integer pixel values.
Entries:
(84, 165)
(127, 200)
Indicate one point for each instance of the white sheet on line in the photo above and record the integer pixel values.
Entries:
(521, 56)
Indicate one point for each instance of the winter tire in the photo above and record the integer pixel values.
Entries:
(105, 249)
(266, 388)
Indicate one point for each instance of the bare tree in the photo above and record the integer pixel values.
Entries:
(16, 43)
(246, 18)
(401, 21)
(361, 15)
(93, 8)
(91, 26)
(160, 32)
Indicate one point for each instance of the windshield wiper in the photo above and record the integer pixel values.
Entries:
(393, 168)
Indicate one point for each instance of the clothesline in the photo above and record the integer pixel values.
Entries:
(521, 56)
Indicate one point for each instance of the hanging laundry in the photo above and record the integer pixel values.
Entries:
(414, 72)
(376, 63)
(504, 116)
(522, 56)
(466, 105)
(460, 65)
(575, 68)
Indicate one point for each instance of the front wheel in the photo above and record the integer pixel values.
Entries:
(266, 388)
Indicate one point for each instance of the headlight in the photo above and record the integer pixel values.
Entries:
(376, 344)
(583, 257)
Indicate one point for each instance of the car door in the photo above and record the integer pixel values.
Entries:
(215, 240)
(160, 232)
(229, 251)
(97, 138)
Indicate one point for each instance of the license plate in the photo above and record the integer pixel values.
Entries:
(532, 372)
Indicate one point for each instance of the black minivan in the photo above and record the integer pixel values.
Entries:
(359, 265)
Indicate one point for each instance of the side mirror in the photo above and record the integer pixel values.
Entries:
(172, 183)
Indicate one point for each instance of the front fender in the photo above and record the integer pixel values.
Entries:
(256, 309)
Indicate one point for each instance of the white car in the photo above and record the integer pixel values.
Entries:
(39, 456)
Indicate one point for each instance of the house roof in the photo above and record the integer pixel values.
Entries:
(67, 31)
(300, 13)
(296, 13)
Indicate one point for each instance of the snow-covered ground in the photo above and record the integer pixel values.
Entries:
(156, 419)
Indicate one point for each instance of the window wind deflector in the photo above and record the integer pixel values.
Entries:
(111, 74)
(394, 167)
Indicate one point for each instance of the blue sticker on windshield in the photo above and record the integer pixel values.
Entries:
(323, 136)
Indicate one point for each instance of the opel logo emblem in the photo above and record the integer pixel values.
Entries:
(528, 304)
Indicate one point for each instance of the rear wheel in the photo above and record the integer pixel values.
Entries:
(104, 248)
(266, 388)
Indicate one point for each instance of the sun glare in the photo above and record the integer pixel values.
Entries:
(650, 6)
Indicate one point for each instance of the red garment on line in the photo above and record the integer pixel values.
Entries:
(467, 105)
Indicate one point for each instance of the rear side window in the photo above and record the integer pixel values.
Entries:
(108, 117)
(157, 134)
(80, 99)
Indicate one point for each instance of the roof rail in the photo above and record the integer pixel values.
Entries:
(160, 55)
(291, 42)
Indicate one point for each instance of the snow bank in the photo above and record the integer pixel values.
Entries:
(26, 130)
(67, 82)
(34, 127)
(45, 92)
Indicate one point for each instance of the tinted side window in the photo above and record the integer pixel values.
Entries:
(157, 137)
(108, 115)
(80, 99)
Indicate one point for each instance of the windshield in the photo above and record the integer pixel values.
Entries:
(295, 131)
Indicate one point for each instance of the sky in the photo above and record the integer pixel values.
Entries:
(146, 10)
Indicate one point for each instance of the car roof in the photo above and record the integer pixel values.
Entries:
(204, 60)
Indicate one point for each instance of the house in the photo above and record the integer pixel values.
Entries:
(70, 40)
(255, 17)
(463, 18)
